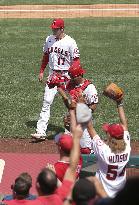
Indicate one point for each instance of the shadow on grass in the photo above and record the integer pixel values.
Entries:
(31, 124)
(51, 131)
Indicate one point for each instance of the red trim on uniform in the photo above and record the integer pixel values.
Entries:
(74, 91)
(45, 61)
(71, 86)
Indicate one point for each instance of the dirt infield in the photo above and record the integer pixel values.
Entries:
(27, 146)
(69, 11)
(48, 146)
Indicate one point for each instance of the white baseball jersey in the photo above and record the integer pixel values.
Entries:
(91, 96)
(111, 167)
(61, 52)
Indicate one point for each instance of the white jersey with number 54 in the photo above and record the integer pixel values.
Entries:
(111, 167)
(61, 52)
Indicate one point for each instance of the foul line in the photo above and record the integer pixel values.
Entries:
(63, 10)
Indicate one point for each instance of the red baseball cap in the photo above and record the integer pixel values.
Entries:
(65, 142)
(57, 23)
(76, 70)
(115, 130)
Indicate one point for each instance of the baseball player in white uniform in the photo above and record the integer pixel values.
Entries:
(77, 86)
(60, 52)
(113, 155)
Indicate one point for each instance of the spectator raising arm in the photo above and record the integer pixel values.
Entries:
(122, 116)
(91, 129)
(113, 154)
(75, 152)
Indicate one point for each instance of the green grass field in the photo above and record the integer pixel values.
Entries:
(67, 2)
(109, 53)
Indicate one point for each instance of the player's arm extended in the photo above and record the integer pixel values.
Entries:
(91, 129)
(77, 132)
(93, 107)
(122, 116)
(64, 96)
(70, 104)
(45, 60)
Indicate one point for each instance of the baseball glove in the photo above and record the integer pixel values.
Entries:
(113, 92)
(56, 79)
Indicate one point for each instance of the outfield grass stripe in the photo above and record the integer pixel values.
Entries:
(63, 10)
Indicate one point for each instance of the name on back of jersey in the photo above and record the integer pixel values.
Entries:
(118, 158)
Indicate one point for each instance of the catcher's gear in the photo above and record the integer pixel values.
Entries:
(56, 79)
(76, 93)
(113, 92)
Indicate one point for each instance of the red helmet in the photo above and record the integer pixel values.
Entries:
(75, 71)
(57, 23)
(115, 130)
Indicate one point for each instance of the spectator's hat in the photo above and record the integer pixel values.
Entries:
(115, 130)
(64, 141)
(57, 23)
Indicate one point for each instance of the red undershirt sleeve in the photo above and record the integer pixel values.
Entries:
(44, 63)
(64, 189)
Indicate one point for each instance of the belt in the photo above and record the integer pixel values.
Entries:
(60, 71)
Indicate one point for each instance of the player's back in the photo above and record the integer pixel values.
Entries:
(112, 167)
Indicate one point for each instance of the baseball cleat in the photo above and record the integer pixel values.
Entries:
(38, 136)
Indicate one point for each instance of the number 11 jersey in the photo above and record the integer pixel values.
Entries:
(61, 52)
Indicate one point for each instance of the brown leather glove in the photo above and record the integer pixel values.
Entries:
(113, 92)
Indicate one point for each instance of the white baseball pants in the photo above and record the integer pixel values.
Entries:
(42, 123)
(85, 140)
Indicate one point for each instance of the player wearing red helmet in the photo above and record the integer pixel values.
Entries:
(80, 88)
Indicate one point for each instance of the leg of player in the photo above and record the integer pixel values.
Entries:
(45, 113)
(85, 141)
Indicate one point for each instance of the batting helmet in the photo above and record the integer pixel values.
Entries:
(75, 71)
